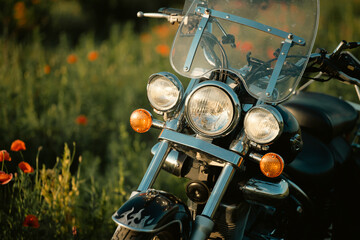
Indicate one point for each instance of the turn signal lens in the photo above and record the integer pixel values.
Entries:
(272, 165)
(141, 120)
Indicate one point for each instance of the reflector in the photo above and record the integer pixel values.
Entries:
(141, 120)
(271, 165)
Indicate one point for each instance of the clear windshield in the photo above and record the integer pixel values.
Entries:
(265, 42)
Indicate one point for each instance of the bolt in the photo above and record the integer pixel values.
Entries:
(207, 11)
(299, 209)
(291, 36)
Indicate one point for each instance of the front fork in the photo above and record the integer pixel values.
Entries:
(203, 223)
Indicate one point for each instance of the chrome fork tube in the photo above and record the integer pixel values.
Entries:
(203, 223)
(155, 166)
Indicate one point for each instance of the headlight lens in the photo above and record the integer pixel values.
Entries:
(211, 110)
(263, 124)
(164, 91)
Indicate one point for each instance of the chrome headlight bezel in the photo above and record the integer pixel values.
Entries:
(277, 117)
(175, 82)
(236, 107)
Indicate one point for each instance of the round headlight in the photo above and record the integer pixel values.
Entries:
(212, 109)
(263, 124)
(164, 91)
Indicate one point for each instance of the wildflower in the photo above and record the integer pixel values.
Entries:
(270, 53)
(145, 38)
(71, 59)
(247, 46)
(74, 231)
(25, 167)
(5, 178)
(47, 69)
(4, 156)
(31, 221)
(163, 50)
(81, 120)
(163, 31)
(20, 13)
(17, 145)
(92, 56)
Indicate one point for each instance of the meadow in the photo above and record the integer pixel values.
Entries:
(69, 105)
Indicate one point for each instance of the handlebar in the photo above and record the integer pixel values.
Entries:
(340, 64)
(171, 14)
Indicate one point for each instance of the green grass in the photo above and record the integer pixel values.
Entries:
(82, 186)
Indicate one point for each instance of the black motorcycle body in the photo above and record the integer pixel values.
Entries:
(264, 159)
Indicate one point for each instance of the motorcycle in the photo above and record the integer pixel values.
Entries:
(264, 159)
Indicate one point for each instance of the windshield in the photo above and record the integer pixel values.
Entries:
(265, 42)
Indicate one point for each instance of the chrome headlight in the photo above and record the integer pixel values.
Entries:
(212, 109)
(263, 124)
(164, 91)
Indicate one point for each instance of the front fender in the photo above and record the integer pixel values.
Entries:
(152, 211)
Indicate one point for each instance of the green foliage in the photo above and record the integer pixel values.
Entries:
(85, 94)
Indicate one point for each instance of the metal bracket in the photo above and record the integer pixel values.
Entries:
(252, 24)
(195, 43)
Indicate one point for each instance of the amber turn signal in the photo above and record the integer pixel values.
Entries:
(272, 165)
(141, 120)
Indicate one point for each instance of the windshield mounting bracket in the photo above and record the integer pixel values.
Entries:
(195, 43)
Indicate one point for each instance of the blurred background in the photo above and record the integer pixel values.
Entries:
(71, 73)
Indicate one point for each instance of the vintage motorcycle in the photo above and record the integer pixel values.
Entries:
(260, 166)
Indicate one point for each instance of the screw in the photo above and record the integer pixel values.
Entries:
(291, 36)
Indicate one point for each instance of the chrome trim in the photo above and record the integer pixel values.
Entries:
(270, 90)
(155, 166)
(252, 24)
(195, 43)
(144, 230)
(259, 191)
(202, 146)
(174, 80)
(277, 116)
(219, 190)
(233, 97)
(157, 123)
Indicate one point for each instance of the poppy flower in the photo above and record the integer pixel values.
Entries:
(247, 46)
(163, 31)
(145, 38)
(47, 69)
(92, 56)
(81, 120)
(163, 50)
(4, 156)
(31, 221)
(71, 59)
(25, 167)
(74, 231)
(5, 178)
(17, 145)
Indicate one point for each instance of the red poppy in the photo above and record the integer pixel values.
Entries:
(17, 145)
(81, 120)
(47, 69)
(145, 38)
(31, 221)
(247, 46)
(92, 56)
(25, 167)
(71, 59)
(162, 31)
(163, 50)
(5, 178)
(4, 156)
